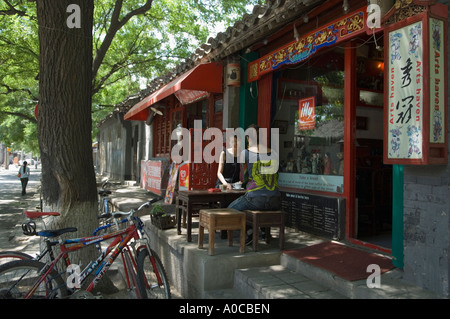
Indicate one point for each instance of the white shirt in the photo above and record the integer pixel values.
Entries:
(24, 174)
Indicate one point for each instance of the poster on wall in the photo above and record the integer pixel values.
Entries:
(183, 182)
(151, 173)
(405, 97)
(173, 174)
(307, 114)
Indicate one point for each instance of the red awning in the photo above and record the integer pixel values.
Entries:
(189, 87)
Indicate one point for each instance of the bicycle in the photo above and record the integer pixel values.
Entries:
(10, 255)
(144, 271)
(104, 203)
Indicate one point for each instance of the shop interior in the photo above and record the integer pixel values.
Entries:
(316, 150)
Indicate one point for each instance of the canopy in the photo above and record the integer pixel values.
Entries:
(189, 87)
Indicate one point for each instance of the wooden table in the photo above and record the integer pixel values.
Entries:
(189, 201)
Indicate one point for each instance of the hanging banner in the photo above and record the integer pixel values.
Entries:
(307, 114)
(406, 92)
(415, 117)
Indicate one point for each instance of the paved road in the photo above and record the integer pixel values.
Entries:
(12, 206)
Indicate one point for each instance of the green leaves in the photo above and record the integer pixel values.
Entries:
(134, 42)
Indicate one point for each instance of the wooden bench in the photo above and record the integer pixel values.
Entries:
(265, 219)
(221, 219)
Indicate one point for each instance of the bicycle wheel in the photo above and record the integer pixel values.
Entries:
(149, 269)
(17, 278)
(7, 256)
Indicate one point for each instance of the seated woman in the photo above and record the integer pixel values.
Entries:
(262, 174)
(229, 172)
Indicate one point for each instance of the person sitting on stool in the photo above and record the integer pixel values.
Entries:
(261, 171)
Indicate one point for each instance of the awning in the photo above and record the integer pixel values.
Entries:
(189, 87)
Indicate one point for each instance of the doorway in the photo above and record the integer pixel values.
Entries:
(374, 194)
(373, 191)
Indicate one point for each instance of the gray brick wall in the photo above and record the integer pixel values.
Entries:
(427, 224)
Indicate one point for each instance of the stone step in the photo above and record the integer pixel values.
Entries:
(391, 284)
(273, 282)
(294, 279)
(279, 282)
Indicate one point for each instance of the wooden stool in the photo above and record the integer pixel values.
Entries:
(221, 219)
(267, 219)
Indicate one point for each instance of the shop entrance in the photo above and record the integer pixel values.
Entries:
(373, 191)
(374, 194)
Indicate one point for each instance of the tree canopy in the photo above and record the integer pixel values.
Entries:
(133, 42)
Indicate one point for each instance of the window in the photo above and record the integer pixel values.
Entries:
(310, 116)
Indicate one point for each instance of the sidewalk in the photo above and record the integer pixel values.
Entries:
(127, 197)
(12, 206)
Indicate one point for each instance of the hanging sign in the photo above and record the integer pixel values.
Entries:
(405, 98)
(307, 114)
(415, 116)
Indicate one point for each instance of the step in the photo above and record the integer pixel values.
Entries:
(391, 284)
(294, 279)
(273, 282)
(279, 282)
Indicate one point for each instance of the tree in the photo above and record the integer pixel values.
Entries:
(147, 45)
(64, 116)
(18, 67)
(68, 77)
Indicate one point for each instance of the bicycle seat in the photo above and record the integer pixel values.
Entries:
(104, 192)
(33, 215)
(56, 232)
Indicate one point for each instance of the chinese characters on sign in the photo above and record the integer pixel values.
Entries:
(405, 96)
(151, 173)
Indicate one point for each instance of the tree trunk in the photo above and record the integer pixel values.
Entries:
(64, 116)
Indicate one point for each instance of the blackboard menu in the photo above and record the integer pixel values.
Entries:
(315, 214)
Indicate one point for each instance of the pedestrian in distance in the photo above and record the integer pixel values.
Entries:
(24, 173)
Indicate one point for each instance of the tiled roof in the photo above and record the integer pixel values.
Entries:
(252, 28)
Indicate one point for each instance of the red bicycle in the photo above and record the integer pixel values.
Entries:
(146, 276)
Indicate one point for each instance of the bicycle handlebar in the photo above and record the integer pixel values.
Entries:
(131, 212)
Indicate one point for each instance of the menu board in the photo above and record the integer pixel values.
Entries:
(319, 215)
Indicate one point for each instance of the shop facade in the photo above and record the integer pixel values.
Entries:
(360, 109)
(330, 80)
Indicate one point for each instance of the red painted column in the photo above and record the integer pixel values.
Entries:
(350, 99)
